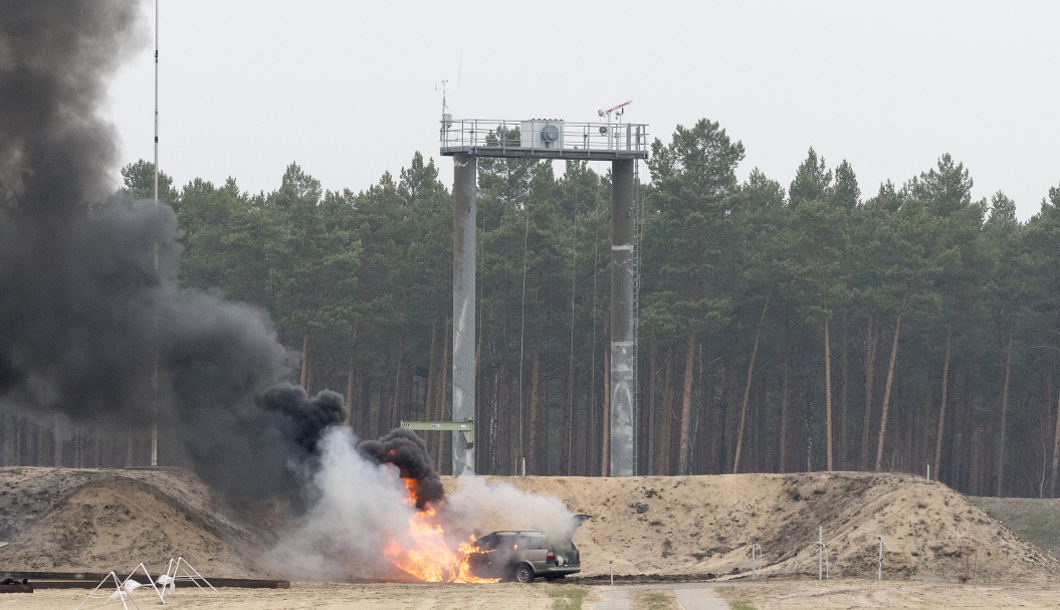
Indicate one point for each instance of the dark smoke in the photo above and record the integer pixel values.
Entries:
(300, 418)
(89, 302)
(402, 448)
(54, 57)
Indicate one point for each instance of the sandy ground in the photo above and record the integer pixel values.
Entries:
(794, 595)
(318, 596)
(889, 594)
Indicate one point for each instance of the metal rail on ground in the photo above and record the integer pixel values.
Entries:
(88, 580)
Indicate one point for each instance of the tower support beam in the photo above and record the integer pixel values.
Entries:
(464, 222)
(622, 278)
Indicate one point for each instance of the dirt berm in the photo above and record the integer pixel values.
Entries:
(705, 525)
(97, 520)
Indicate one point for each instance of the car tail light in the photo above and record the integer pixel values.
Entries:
(550, 556)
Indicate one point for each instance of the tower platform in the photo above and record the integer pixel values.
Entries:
(544, 139)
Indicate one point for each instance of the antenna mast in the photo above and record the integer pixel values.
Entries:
(156, 101)
(618, 112)
(154, 414)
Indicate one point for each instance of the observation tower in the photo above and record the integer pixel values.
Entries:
(623, 144)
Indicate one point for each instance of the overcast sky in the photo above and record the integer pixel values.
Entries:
(348, 89)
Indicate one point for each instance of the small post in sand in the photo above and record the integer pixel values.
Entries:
(879, 568)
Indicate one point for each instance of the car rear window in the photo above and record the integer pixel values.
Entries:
(534, 542)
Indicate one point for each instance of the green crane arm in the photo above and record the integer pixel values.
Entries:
(467, 427)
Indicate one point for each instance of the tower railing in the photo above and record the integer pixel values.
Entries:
(484, 137)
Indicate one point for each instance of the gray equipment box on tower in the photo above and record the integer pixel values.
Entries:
(541, 133)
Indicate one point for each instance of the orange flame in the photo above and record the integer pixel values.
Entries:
(429, 557)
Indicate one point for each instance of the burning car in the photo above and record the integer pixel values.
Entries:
(522, 556)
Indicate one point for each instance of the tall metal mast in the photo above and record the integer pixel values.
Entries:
(154, 379)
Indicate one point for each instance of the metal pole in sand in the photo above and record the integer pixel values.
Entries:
(879, 568)
(820, 552)
(754, 569)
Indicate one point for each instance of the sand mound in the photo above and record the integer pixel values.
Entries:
(706, 524)
(683, 527)
(67, 520)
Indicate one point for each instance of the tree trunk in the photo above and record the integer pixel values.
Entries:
(366, 406)
(871, 341)
(707, 454)
(5, 438)
(305, 358)
(974, 465)
(942, 406)
(397, 406)
(572, 404)
(350, 374)
(506, 444)
(665, 421)
(844, 397)
(925, 417)
(966, 427)
(728, 402)
(488, 406)
(686, 395)
(593, 437)
(653, 372)
(587, 451)
(747, 388)
(442, 395)
(782, 462)
(686, 402)
(760, 415)
(1056, 452)
(828, 394)
(546, 442)
(887, 392)
(1004, 414)
(432, 378)
(385, 399)
(605, 458)
(478, 408)
(57, 441)
(535, 408)
(805, 408)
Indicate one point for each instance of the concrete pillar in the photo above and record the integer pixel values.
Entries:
(621, 441)
(464, 223)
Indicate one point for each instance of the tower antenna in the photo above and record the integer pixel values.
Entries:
(618, 112)
(442, 86)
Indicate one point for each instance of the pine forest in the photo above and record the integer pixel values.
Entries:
(782, 328)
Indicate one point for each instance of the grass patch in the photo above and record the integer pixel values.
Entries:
(647, 599)
(1037, 520)
(568, 599)
(729, 594)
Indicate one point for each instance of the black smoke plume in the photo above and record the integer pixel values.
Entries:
(404, 449)
(92, 322)
(302, 418)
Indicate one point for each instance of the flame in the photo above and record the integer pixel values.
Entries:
(428, 556)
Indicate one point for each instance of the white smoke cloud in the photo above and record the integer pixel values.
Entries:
(358, 507)
(500, 506)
